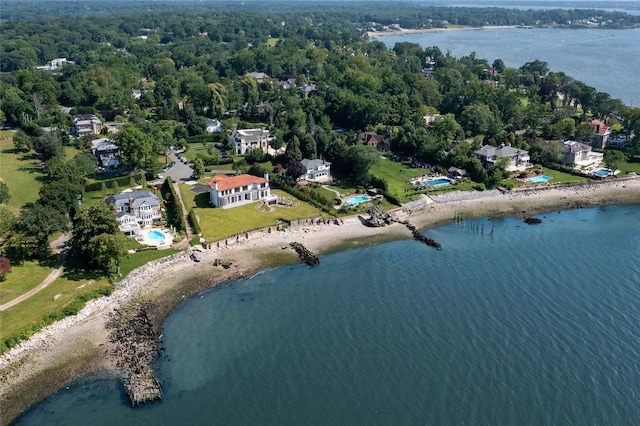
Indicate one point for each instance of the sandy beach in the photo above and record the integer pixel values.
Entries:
(374, 34)
(80, 344)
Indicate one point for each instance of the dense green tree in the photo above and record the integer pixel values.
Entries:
(61, 195)
(4, 193)
(360, 159)
(198, 168)
(197, 126)
(22, 142)
(293, 151)
(38, 222)
(295, 169)
(613, 158)
(135, 146)
(106, 250)
(95, 237)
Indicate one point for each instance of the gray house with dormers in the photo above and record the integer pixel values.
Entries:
(140, 207)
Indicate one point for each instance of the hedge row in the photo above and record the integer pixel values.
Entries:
(123, 181)
(175, 217)
(195, 226)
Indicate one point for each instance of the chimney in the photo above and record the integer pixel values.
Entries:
(130, 205)
(266, 176)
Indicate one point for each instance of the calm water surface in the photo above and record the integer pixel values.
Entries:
(508, 324)
(608, 60)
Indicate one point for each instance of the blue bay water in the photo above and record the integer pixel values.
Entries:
(605, 59)
(508, 324)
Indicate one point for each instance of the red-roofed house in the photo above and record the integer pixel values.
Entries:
(601, 134)
(231, 191)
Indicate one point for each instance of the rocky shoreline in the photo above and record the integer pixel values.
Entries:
(160, 286)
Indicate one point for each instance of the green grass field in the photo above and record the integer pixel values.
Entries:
(22, 172)
(22, 279)
(397, 176)
(57, 295)
(217, 224)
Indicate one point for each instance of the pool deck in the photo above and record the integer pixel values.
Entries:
(425, 179)
(161, 244)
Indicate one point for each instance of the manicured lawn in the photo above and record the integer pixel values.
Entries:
(22, 279)
(558, 177)
(22, 172)
(631, 165)
(397, 176)
(31, 311)
(221, 223)
(140, 258)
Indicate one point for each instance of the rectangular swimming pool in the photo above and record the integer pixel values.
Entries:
(436, 182)
(539, 179)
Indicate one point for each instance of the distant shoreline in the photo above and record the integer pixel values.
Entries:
(80, 344)
(378, 34)
(375, 34)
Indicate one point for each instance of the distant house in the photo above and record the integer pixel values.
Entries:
(307, 89)
(106, 151)
(259, 76)
(430, 118)
(246, 140)
(134, 209)
(232, 191)
(380, 142)
(317, 170)
(213, 126)
(85, 124)
(579, 154)
(601, 134)
(518, 158)
(54, 64)
(456, 172)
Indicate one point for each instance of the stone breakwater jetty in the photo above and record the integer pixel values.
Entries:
(304, 254)
(136, 347)
(381, 218)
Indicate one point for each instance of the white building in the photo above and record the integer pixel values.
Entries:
(246, 140)
(579, 155)
(317, 170)
(232, 191)
(518, 158)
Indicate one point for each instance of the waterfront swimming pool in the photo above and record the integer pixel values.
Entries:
(539, 179)
(602, 172)
(357, 200)
(156, 237)
(437, 182)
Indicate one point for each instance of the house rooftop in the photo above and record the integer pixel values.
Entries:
(313, 163)
(227, 182)
(138, 197)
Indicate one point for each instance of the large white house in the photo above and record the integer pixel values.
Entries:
(246, 140)
(134, 209)
(317, 170)
(518, 158)
(231, 191)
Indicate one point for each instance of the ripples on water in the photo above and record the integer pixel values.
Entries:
(525, 325)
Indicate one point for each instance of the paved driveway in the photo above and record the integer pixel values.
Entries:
(180, 172)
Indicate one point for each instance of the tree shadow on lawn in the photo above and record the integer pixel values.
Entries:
(202, 200)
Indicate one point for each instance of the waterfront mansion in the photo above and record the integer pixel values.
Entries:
(231, 191)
